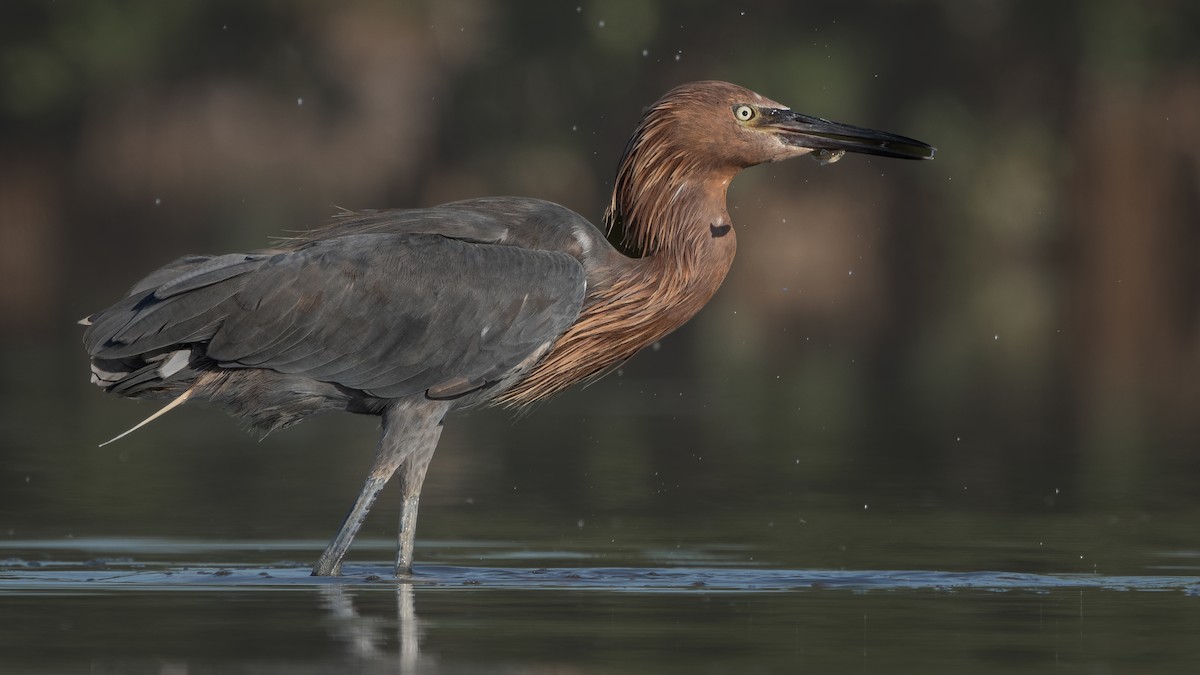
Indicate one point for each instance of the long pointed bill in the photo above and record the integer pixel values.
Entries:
(835, 138)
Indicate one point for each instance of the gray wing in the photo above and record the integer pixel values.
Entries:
(388, 314)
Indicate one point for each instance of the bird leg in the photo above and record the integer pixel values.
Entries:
(414, 476)
(330, 562)
(410, 433)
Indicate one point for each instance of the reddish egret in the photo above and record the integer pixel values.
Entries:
(409, 314)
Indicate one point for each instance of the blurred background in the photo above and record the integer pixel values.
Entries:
(991, 360)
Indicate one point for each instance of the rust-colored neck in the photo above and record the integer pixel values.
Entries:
(678, 245)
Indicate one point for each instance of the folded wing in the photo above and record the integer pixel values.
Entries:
(385, 313)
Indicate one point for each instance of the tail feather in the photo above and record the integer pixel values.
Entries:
(164, 372)
(180, 400)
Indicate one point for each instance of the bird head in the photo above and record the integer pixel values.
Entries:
(730, 126)
(692, 141)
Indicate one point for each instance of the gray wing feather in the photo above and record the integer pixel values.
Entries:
(141, 324)
(209, 272)
(389, 314)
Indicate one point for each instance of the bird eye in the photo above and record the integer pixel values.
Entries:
(743, 113)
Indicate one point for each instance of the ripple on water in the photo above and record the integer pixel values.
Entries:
(19, 576)
(88, 565)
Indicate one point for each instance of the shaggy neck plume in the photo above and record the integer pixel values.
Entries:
(662, 190)
(670, 212)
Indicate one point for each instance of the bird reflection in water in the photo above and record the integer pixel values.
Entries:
(366, 638)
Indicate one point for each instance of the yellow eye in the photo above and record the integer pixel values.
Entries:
(743, 113)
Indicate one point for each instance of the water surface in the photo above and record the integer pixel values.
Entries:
(119, 606)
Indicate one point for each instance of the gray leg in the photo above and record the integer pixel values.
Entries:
(414, 476)
(408, 535)
(410, 432)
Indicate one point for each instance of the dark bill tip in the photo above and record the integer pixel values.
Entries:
(821, 134)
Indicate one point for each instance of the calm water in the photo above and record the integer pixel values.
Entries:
(617, 530)
(102, 606)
